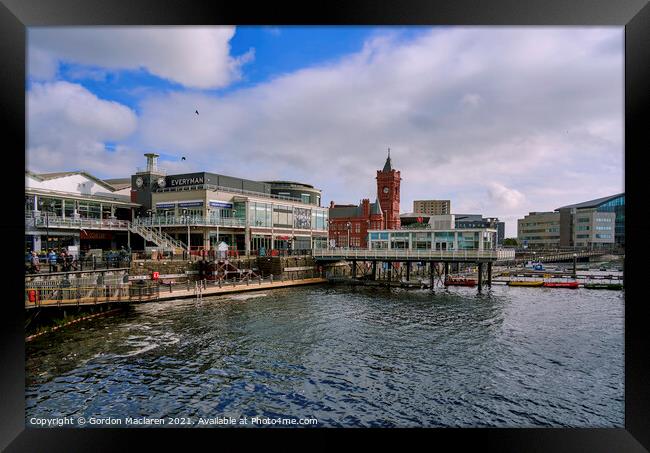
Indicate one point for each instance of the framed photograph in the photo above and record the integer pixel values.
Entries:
(423, 215)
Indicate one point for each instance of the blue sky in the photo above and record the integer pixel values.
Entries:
(501, 120)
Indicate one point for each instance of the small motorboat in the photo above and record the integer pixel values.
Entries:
(526, 283)
(460, 282)
(603, 286)
(572, 285)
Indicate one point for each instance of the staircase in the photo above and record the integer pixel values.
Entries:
(162, 240)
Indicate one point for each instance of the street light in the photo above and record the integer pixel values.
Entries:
(47, 220)
(188, 231)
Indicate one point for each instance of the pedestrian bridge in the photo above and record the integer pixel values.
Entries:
(406, 255)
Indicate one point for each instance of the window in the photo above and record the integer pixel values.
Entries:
(305, 197)
(89, 210)
(582, 236)
(282, 216)
(302, 218)
(259, 214)
(603, 236)
(583, 219)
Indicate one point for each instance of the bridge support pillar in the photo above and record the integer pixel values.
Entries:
(390, 272)
(575, 260)
(446, 270)
(480, 276)
(489, 274)
(431, 274)
(374, 269)
(354, 269)
(408, 271)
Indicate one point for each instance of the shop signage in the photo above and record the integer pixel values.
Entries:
(176, 182)
(220, 204)
(165, 205)
(95, 234)
(190, 204)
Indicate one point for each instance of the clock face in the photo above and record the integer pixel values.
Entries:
(139, 181)
(385, 189)
(161, 182)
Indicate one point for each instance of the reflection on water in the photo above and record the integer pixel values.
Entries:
(349, 356)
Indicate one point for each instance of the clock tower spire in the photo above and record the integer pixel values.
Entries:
(388, 188)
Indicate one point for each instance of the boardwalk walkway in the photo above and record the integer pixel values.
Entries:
(129, 295)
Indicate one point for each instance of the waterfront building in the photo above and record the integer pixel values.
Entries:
(449, 239)
(349, 223)
(478, 221)
(433, 207)
(598, 223)
(204, 209)
(539, 230)
(436, 222)
(75, 209)
(593, 224)
(305, 192)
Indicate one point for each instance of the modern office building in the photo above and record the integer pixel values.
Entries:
(433, 207)
(594, 224)
(75, 209)
(203, 209)
(464, 221)
(349, 224)
(539, 230)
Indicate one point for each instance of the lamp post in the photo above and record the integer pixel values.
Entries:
(188, 231)
(575, 259)
(47, 221)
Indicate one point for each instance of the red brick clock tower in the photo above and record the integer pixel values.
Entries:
(388, 182)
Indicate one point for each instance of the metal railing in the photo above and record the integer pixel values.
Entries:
(51, 221)
(414, 254)
(162, 239)
(63, 295)
(191, 220)
(88, 263)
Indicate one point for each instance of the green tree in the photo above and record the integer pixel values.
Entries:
(510, 241)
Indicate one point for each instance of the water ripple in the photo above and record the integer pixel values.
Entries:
(361, 357)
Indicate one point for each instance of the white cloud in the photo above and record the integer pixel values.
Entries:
(508, 198)
(197, 57)
(67, 127)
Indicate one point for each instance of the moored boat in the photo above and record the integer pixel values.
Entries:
(603, 286)
(572, 285)
(460, 282)
(526, 283)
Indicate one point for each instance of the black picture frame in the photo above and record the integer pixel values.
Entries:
(634, 15)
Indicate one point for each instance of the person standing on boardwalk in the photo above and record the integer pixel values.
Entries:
(36, 264)
(52, 259)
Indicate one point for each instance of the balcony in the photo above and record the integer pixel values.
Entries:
(56, 222)
(232, 222)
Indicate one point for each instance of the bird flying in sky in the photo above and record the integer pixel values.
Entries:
(183, 158)
(197, 112)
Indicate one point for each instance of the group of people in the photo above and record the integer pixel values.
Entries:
(55, 261)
